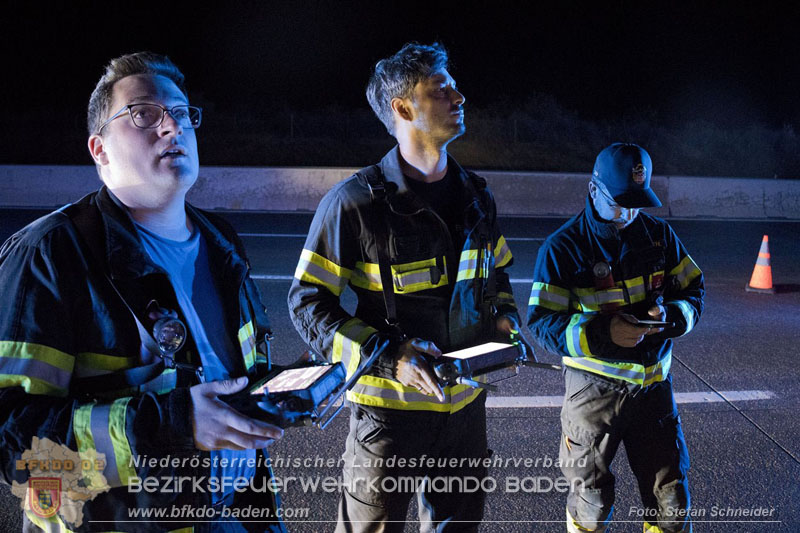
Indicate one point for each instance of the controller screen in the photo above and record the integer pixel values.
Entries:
(293, 379)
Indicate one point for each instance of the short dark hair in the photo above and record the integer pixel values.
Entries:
(396, 76)
(122, 67)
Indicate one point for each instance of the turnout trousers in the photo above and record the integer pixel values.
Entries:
(598, 413)
(391, 455)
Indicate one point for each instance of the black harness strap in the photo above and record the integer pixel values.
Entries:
(379, 215)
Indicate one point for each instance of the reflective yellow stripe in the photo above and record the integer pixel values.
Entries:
(577, 341)
(592, 299)
(31, 385)
(313, 268)
(93, 364)
(630, 372)
(119, 438)
(45, 369)
(549, 296)
(382, 392)
(247, 341)
(347, 342)
(636, 289)
(685, 272)
(468, 267)
(367, 276)
(502, 253)
(418, 276)
(407, 277)
(650, 528)
(506, 298)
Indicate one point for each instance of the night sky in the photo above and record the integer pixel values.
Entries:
(730, 63)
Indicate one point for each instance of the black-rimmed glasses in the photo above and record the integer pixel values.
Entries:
(152, 115)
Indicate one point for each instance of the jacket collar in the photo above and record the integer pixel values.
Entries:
(125, 254)
(392, 171)
(602, 228)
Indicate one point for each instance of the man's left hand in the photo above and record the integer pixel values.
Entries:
(507, 325)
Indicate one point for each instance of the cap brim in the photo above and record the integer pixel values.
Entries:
(638, 198)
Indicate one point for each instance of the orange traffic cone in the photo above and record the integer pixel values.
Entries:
(761, 280)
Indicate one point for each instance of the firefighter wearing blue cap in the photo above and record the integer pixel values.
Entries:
(598, 280)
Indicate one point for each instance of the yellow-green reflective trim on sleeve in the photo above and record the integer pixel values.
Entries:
(391, 394)
(468, 267)
(577, 341)
(119, 438)
(367, 276)
(347, 342)
(630, 372)
(686, 271)
(591, 299)
(31, 365)
(247, 341)
(502, 253)
(549, 296)
(506, 298)
(313, 268)
(688, 313)
(87, 450)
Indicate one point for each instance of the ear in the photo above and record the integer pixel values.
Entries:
(592, 189)
(402, 109)
(97, 150)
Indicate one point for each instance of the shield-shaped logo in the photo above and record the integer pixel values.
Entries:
(44, 495)
(637, 173)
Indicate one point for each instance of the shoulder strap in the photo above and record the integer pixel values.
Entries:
(379, 212)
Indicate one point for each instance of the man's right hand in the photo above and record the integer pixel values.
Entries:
(625, 334)
(218, 426)
(412, 370)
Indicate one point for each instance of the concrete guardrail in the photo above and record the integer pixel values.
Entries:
(517, 193)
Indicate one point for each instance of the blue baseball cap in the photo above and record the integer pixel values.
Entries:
(625, 170)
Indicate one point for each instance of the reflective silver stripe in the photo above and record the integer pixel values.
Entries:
(404, 280)
(350, 347)
(636, 290)
(103, 443)
(621, 372)
(763, 261)
(547, 296)
(467, 264)
(329, 278)
(380, 392)
(35, 368)
(368, 278)
(688, 269)
(461, 396)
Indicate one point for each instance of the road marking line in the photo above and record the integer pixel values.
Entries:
(280, 277)
(514, 402)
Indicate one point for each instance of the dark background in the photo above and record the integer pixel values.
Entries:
(710, 88)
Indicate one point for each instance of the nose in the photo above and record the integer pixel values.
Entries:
(457, 97)
(170, 125)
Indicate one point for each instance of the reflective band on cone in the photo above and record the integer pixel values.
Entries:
(761, 280)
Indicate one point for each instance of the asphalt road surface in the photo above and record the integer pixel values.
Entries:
(745, 454)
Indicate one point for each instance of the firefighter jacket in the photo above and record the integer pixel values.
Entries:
(62, 324)
(442, 294)
(572, 301)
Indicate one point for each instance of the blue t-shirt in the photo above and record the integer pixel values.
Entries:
(186, 263)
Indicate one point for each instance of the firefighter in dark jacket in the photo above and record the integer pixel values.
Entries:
(598, 279)
(445, 260)
(83, 381)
